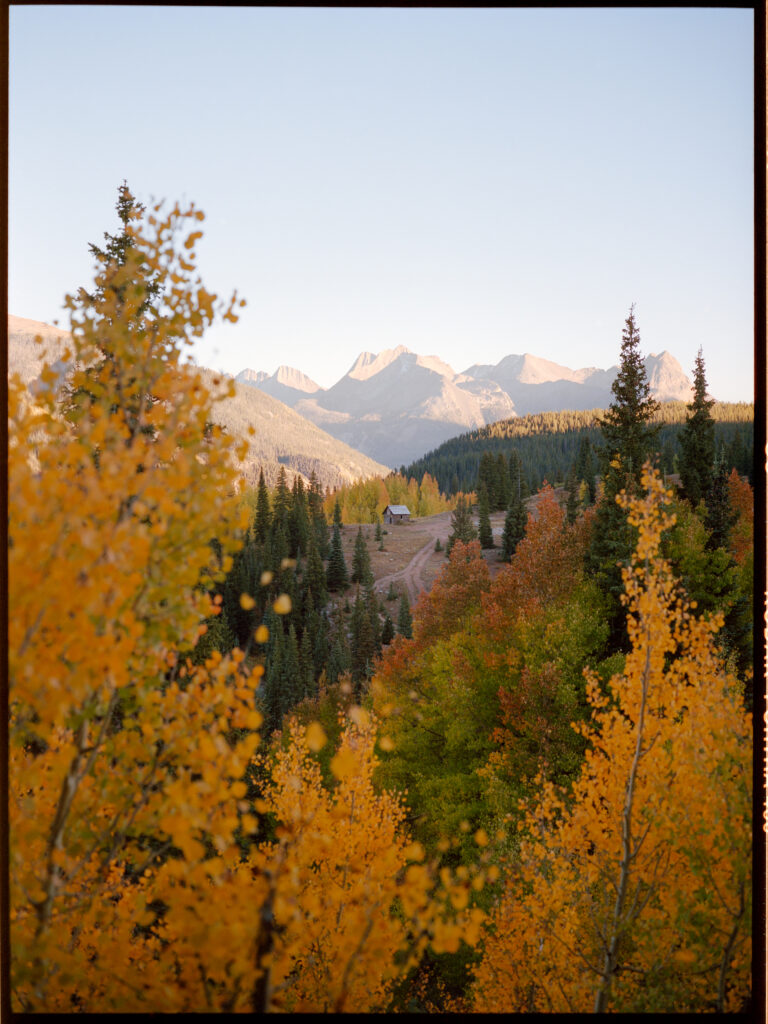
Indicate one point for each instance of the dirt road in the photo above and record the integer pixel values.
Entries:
(412, 576)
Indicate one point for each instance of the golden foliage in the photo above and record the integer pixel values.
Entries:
(143, 872)
(633, 892)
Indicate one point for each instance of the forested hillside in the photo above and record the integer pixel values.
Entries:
(234, 788)
(548, 444)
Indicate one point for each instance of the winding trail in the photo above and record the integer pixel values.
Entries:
(411, 575)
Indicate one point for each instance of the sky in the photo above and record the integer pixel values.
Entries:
(470, 183)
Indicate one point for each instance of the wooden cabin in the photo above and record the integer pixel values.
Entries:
(397, 514)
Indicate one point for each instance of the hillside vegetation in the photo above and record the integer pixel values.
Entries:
(237, 784)
(549, 443)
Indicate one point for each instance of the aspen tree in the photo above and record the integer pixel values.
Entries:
(633, 891)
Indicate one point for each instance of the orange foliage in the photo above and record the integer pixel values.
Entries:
(741, 538)
(140, 875)
(633, 892)
(456, 591)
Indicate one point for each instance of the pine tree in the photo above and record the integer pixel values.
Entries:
(484, 522)
(281, 505)
(514, 527)
(315, 575)
(503, 484)
(626, 425)
(404, 620)
(387, 631)
(361, 561)
(337, 575)
(263, 517)
(628, 443)
(586, 468)
(298, 518)
(720, 516)
(518, 486)
(572, 503)
(337, 513)
(697, 440)
(462, 527)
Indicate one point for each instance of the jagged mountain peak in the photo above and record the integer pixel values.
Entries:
(252, 376)
(293, 378)
(368, 364)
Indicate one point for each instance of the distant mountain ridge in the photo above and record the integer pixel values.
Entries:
(396, 405)
(282, 437)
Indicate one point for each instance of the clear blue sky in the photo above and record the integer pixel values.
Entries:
(467, 182)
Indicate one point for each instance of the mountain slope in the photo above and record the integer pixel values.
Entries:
(397, 405)
(282, 436)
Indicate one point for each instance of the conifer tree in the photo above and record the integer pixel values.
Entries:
(697, 439)
(337, 513)
(315, 575)
(361, 561)
(720, 516)
(404, 619)
(485, 531)
(337, 575)
(628, 442)
(462, 527)
(503, 484)
(572, 503)
(626, 426)
(263, 516)
(514, 527)
(281, 505)
(387, 631)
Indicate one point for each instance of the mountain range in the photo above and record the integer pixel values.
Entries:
(389, 409)
(396, 405)
(281, 436)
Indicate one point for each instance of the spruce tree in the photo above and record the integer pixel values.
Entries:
(336, 574)
(484, 522)
(627, 428)
(315, 575)
(697, 440)
(281, 505)
(572, 503)
(387, 631)
(361, 561)
(404, 620)
(514, 527)
(462, 527)
(720, 516)
(503, 484)
(337, 513)
(263, 517)
(629, 438)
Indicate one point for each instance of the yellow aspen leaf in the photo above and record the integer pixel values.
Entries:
(247, 602)
(343, 763)
(386, 743)
(282, 605)
(261, 634)
(481, 837)
(266, 578)
(316, 737)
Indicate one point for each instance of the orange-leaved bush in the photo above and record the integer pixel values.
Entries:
(632, 892)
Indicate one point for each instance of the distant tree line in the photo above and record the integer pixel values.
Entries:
(548, 444)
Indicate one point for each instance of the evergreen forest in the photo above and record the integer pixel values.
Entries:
(241, 780)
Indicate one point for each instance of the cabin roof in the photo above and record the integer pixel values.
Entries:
(398, 510)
